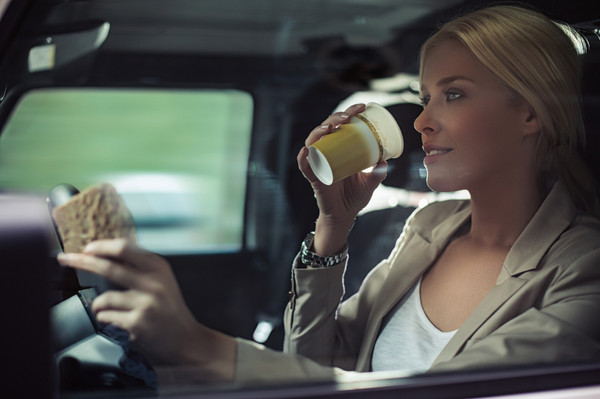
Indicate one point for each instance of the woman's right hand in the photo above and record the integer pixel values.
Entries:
(152, 310)
(340, 202)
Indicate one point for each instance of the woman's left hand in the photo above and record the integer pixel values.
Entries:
(150, 307)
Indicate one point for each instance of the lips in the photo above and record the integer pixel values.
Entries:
(431, 149)
(434, 152)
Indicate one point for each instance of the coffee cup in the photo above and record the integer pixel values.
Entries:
(367, 139)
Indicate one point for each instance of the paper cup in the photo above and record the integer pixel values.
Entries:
(370, 137)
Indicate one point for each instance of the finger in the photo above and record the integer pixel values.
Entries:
(304, 166)
(78, 261)
(117, 300)
(113, 271)
(119, 318)
(125, 251)
(120, 308)
(318, 132)
(338, 118)
(355, 109)
(333, 122)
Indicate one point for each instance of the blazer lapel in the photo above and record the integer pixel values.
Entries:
(525, 255)
(488, 306)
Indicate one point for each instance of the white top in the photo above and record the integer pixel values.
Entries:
(408, 340)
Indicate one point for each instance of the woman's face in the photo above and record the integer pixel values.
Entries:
(472, 129)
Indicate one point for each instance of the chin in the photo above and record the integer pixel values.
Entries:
(450, 179)
(443, 184)
(438, 185)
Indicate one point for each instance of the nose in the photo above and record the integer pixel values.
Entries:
(424, 123)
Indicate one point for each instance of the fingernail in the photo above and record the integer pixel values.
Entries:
(324, 127)
(89, 248)
(344, 115)
(62, 258)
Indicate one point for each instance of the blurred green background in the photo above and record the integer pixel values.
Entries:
(178, 157)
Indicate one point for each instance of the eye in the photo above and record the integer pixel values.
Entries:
(424, 100)
(453, 95)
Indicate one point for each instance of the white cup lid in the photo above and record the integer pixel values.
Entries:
(387, 128)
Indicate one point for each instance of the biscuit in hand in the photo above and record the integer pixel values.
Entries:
(96, 213)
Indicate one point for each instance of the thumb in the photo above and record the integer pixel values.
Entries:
(305, 168)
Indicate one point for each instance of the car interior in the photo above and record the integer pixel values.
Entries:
(195, 111)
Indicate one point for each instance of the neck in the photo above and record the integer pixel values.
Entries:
(498, 217)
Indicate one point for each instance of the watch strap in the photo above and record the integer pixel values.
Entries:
(311, 259)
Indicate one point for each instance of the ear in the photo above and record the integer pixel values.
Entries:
(531, 122)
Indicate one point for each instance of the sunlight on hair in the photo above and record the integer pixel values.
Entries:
(579, 41)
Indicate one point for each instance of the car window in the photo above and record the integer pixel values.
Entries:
(177, 157)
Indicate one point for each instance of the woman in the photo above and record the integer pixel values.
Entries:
(510, 277)
(481, 269)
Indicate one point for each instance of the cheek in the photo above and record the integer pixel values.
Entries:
(483, 133)
(469, 134)
(480, 146)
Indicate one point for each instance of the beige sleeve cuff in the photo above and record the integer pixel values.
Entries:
(258, 364)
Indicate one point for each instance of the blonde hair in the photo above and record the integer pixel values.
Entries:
(536, 60)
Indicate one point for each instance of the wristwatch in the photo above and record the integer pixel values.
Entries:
(311, 259)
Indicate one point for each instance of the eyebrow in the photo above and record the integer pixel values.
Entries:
(450, 79)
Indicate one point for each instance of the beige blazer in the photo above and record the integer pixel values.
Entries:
(545, 306)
